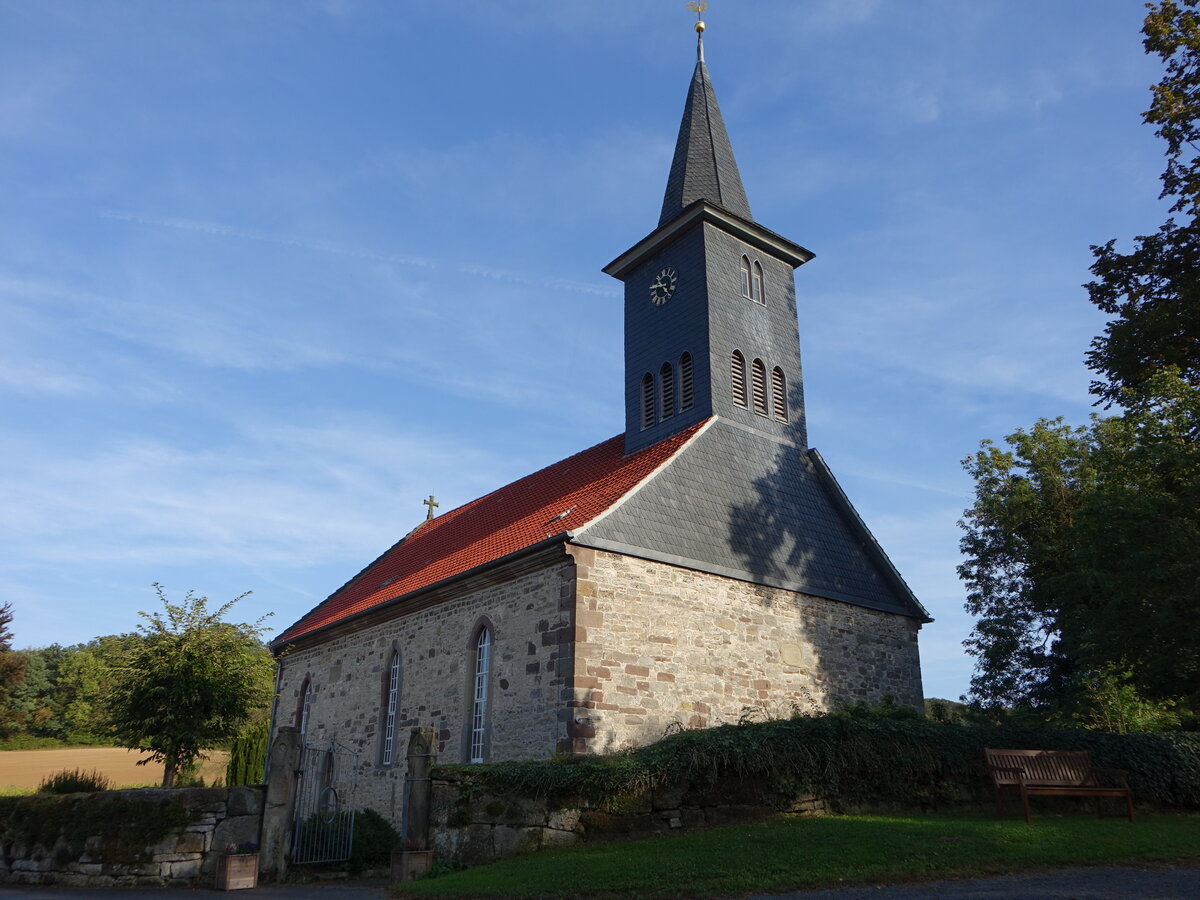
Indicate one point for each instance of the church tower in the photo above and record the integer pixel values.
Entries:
(710, 298)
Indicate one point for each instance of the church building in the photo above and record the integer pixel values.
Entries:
(701, 563)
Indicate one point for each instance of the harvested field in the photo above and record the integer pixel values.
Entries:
(28, 768)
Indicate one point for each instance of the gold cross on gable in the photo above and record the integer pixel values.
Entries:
(432, 504)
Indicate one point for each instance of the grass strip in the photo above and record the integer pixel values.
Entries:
(835, 851)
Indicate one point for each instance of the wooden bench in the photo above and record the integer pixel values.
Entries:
(1054, 773)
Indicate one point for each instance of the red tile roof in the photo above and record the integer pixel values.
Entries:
(559, 498)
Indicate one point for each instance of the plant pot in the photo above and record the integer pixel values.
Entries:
(237, 871)
(409, 865)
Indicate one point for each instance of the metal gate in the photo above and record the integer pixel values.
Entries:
(324, 826)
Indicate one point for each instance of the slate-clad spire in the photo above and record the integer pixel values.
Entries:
(704, 167)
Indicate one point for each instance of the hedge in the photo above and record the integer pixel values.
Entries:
(847, 760)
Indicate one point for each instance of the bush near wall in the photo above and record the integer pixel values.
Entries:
(248, 755)
(853, 761)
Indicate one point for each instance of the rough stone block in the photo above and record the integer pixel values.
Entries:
(245, 801)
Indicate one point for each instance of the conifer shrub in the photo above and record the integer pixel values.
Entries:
(74, 781)
(248, 755)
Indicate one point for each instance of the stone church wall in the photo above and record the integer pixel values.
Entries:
(530, 617)
(660, 644)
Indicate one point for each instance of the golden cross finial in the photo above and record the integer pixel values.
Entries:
(432, 504)
(698, 8)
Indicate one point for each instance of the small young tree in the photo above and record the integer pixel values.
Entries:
(189, 682)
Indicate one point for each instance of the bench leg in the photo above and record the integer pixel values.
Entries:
(1025, 801)
(1099, 808)
(1129, 805)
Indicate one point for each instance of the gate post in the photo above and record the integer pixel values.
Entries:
(280, 802)
(420, 785)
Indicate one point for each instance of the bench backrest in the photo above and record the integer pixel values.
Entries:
(1054, 767)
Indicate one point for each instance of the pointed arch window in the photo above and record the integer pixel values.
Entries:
(666, 377)
(758, 386)
(391, 709)
(737, 373)
(479, 701)
(756, 284)
(746, 287)
(687, 382)
(779, 394)
(648, 403)
(305, 709)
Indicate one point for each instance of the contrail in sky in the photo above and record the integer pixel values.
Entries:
(481, 271)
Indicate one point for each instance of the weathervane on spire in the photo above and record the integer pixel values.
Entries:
(699, 6)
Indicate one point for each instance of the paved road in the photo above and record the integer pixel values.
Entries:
(1105, 883)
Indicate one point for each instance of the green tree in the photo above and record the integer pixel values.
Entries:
(1153, 292)
(190, 682)
(1082, 548)
(12, 670)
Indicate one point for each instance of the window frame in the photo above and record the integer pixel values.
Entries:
(737, 378)
(478, 724)
(392, 682)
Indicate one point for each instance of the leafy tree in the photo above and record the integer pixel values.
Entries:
(12, 670)
(1083, 545)
(191, 681)
(1154, 291)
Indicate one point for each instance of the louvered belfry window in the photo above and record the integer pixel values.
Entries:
(779, 394)
(737, 372)
(483, 664)
(393, 702)
(687, 382)
(758, 386)
(667, 377)
(647, 400)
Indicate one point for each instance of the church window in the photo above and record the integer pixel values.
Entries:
(305, 706)
(746, 277)
(667, 376)
(737, 366)
(648, 403)
(779, 394)
(758, 386)
(687, 382)
(479, 702)
(391, 710)
(756, 284)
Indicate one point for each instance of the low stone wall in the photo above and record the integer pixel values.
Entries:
(477, 827)
(146, 836)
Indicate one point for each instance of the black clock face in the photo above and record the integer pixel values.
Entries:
(663, 286)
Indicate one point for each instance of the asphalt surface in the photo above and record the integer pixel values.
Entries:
(1101, 883)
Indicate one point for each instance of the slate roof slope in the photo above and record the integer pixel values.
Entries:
(501, 523)
(703, 167)
(739, 503)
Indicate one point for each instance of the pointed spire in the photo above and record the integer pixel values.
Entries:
(703, 167)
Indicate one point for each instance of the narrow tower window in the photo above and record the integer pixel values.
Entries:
(647, 400)
(737, 367)
(756, 284)
(391, 709)
(479, 702)
(758, 386)
(667, 377)
(687, 382)
(746, 277)
(779, 394)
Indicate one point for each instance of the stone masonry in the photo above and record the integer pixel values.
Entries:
(659, 645)
(529, 614)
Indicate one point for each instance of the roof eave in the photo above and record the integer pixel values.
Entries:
(705, 211)
(279, 644)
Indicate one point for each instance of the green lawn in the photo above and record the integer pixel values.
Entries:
(820, 852)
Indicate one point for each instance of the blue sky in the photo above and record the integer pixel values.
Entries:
(273, 271)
